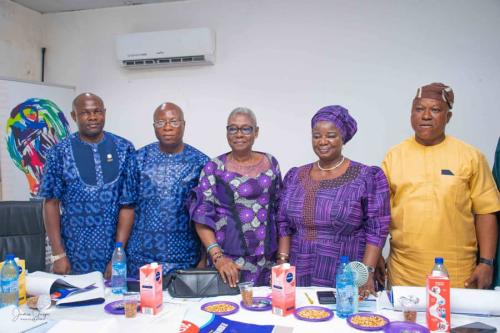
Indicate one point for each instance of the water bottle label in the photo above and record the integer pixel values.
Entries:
(119, 277)
(119, 268)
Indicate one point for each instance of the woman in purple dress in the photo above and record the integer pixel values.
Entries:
(332, 207)
(236, 204)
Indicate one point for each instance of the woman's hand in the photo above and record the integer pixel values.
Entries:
(228, 270)
(368, 288)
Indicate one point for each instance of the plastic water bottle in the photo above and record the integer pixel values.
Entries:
(439, 269)
(9, 281)
(119, 270)
(345, 289)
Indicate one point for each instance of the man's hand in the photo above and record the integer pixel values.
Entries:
(380, 271)
(481, 278)
(107, 273)
(202, 263)
(62, 266)
(228, 270)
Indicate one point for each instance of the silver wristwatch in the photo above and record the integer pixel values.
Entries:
(57, 257)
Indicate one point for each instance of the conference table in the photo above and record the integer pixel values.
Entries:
(94, 319)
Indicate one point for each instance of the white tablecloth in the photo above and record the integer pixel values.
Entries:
(93, 318)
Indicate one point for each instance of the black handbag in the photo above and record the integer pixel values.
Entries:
(194, 283)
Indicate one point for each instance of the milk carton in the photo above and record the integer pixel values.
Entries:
(151, 288)
(283, 289)
(438, 303)
(21, 264)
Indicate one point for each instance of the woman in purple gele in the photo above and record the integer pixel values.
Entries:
(333, 207)
(236, 204)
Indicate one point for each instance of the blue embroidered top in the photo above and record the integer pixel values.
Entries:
(162, 229)
(92, 181)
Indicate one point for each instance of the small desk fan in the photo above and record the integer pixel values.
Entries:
(359, 272)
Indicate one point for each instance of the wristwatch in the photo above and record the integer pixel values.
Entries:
(489, 262)
(370, 269)
(57, 257)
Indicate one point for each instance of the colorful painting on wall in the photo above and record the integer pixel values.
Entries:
(33, 127)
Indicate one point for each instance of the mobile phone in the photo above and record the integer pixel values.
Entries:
(326, 297)
(475, 327)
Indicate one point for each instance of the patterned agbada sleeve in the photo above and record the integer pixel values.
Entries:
(202, 205)
(52, 184)
(496, 165)
(128, 192)
(284, 228)
(378, 208)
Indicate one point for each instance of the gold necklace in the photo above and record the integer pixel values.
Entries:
(333, 167)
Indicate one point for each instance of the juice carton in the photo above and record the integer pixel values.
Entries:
(283, 289)
(151, 288)
(438, 303)
(21, 264)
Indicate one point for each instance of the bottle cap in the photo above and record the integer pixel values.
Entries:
(154, 265)
(344, 259)
(438, 260)
(119, 244)
(9, 256)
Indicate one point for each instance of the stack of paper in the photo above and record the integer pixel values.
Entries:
(72, 290)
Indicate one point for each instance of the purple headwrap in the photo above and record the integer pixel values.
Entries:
(340, 117)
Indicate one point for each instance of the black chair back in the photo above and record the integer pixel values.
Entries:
(22, 232)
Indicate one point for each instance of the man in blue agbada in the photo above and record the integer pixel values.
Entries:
(167, 170)
(88, 192)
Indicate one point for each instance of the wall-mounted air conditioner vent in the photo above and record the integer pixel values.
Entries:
(166, 48)
(194, 60)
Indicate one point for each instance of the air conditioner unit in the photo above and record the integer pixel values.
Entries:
(171, 48)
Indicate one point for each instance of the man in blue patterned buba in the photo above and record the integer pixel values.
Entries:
(88, 191)
(166, 172)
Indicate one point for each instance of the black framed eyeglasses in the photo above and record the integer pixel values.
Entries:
(245, 130)
(173, 123)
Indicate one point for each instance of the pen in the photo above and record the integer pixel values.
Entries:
(309, 298)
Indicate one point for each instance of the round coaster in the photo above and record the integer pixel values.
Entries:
(404, 326)
(220, 308)
(116, 308)
(259, 304)
(313, 313)
(367, 321)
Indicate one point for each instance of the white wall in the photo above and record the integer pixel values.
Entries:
(20, 41)
(287, 58)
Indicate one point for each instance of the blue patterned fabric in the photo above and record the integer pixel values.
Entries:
(89, 212)
(162, 230)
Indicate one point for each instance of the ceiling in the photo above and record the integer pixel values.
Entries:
(56, 6)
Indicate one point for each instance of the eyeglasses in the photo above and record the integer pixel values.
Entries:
(245, 130)
(173, 123)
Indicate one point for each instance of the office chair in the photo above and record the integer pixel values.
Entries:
(22, 232)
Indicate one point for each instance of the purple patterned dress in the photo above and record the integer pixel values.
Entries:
(330, 218)
(241, 210)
